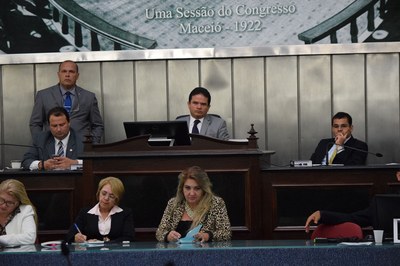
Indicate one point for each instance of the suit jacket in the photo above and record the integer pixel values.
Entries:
(346, 157)
(44, 147)
(122, 227)
(84, 116)
(213, 126)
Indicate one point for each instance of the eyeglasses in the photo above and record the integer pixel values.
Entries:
(110, 195)
(8, 203)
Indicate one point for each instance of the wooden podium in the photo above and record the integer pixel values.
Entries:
(150, 176)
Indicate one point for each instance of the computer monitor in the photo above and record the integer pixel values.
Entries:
(176, 131)
(385, 207)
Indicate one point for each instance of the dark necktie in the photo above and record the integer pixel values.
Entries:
(195, 130)
(60, 151)
(68, 102)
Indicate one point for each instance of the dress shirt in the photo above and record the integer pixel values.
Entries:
(104, 224)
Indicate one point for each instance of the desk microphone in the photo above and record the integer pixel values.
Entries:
(27, 146)
(356, 149)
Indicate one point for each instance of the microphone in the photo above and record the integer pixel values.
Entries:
(27, 146)
(356, 149)
(65, 251)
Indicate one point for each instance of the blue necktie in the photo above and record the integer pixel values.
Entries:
(68, 102)
(195, 129)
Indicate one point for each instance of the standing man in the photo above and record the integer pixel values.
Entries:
(343, 148)
(80, 104)
(199, 122)
(57, 148)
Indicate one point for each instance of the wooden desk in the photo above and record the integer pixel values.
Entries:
(150, 176)
(55, 195)
(290, 195)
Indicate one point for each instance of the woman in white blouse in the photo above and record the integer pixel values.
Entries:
(18, 219)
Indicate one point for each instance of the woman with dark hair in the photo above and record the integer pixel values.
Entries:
(18, 219)
(195, 204)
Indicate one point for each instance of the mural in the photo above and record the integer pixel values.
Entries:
(35, 26)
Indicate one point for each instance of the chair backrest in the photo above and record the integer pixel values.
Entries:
(180, 116)
(343, 230)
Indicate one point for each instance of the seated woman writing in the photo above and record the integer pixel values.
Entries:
(106, 221)
(194, 204)
(18, 219)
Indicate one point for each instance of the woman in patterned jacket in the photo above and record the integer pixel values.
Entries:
(195, 204)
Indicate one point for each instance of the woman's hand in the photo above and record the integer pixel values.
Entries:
(202, 237)
(312, 218)
(173, 236)
(80, 238)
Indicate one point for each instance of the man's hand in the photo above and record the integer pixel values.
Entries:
(312, 218)
(340, 138)
(63, 163)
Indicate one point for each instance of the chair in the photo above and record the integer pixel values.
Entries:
(343, 230)
(180, 116)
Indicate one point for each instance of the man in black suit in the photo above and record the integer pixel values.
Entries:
(83, 107)
(338, 150)
(56, 148)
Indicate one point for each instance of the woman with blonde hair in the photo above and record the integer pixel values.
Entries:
(18, 219)
(195, 204)
(106, 221)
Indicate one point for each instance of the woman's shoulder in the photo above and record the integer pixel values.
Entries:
(217, 200)
(26, 209)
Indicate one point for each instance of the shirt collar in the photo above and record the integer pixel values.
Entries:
(64, 140)
(96, 210)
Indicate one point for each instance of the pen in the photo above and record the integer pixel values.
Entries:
(77, 228)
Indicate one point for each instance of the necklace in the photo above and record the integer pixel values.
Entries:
(189, 211)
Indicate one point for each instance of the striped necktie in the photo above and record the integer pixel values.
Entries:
(333, 154)
(68, 102)
(60, 151)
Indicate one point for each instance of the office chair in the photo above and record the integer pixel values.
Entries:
(345, 230)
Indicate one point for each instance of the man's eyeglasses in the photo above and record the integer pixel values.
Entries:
(110, 196)
(8, 203)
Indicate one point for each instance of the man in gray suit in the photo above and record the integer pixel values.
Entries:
(57, 148)
(81, 104)
(199, 122)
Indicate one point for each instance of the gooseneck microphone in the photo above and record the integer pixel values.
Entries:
(360, 150)
(27, 146)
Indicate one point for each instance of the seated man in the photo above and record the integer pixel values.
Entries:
(343, 148)
(56, 148)
(199, 122)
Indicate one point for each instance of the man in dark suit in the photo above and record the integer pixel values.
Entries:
(199, 121)
(82, 105)
(338, 150)
(57, 148)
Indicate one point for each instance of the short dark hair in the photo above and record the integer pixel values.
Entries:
(200, 90)
(57, 111)
(340, 115)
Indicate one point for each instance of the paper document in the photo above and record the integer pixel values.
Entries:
(189, 238)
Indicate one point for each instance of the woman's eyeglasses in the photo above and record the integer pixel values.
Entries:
(110, 196)
(8, 203)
